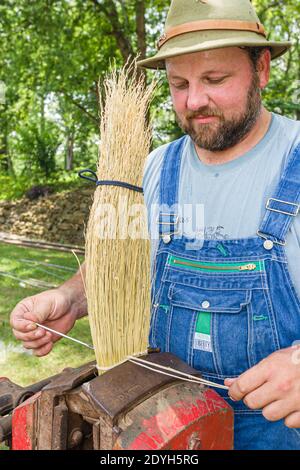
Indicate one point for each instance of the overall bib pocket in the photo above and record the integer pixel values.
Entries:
(216, 324)
(217, 320)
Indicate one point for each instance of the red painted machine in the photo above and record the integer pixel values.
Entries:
(128, 407)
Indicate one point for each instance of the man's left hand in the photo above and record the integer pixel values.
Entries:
(273, 385)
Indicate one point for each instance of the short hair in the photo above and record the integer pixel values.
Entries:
(255, 54)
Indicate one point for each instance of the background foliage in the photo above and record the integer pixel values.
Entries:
(52, 55)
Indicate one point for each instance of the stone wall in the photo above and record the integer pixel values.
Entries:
(57, 218)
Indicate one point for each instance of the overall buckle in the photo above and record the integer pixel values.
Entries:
(167, 236)
(167, 214)
(265, 237)
(293, 214)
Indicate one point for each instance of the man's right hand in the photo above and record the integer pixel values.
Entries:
(52, 308)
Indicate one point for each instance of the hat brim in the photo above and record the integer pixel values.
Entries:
(207, 40)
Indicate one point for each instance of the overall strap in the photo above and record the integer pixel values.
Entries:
(284, 206)
(168, 189)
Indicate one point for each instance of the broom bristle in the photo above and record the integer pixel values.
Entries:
(117, 244)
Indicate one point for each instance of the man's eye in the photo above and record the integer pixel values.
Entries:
(215, 81)
(180, 86)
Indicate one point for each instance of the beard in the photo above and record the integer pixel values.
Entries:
(227, 132)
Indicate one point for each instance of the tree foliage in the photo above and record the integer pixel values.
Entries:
(53, 53)
(282, 21)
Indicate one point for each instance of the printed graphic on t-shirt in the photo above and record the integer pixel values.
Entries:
(215, 233)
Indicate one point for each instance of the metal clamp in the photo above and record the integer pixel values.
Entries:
(285, 202)
(167, 236)
(265, 237)
(167, 223)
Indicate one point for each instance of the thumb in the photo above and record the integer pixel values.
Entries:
(41, 308)
(33, 317)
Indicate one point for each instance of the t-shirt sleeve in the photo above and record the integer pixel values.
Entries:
(151, 178)
(289, 133)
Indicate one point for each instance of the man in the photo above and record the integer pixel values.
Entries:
(226, 296)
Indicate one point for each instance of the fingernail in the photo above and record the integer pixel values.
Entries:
(31, 327)
(232, 399)
(38, 334)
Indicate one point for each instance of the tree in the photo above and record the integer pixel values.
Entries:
(53, 52)
(282, 19)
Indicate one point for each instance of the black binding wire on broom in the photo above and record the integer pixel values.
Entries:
(94, 179)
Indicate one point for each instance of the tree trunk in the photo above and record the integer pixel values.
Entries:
(141, 32)
(109, 9)
(141, 27)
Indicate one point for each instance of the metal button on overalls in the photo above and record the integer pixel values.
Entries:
(268, 244)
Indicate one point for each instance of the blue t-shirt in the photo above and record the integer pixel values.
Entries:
(230, 197)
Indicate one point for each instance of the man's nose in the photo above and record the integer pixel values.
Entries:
(197, 98)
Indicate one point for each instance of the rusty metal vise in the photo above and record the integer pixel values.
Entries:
(126, 408)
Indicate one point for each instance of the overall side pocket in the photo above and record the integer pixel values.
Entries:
(210, 328)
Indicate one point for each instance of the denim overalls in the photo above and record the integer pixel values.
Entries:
(226, 306)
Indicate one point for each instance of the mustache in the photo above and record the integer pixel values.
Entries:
(204, 112)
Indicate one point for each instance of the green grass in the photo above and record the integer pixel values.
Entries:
(15, 362)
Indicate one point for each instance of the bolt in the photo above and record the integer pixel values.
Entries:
(194, 443)
(75, 438)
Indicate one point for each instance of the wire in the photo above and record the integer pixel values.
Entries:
(41, 263)
(64, 336)
(31, 282)
(187, 377)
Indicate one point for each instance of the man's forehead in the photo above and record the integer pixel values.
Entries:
(208, 61)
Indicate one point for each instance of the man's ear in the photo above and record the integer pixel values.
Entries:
(263, 68)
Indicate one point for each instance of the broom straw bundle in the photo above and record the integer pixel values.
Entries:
(117, 244)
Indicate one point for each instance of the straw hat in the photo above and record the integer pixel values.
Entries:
(200, 25)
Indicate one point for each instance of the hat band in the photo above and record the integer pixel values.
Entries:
(205, 25)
